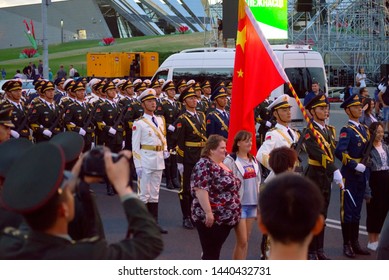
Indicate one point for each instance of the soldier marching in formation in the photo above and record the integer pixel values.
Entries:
(166, 134)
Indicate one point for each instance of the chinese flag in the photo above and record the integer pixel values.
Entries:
(257, 73)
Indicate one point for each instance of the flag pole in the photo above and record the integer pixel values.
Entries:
(306, 117)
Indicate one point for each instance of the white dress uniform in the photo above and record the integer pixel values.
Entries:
(148, 146)
(276, 137)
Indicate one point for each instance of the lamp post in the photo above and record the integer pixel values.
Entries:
(61, 31)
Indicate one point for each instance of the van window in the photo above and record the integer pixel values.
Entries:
(160, 75)
(301, 79)
(214, 75)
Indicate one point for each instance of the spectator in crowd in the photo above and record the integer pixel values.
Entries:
(216, 206)
(51, 76)
(72, 71)
(297, 218)
(134, 69)
(61, 73)
(357, 88)
(377, 205)
(51, 208)
(311, 94)
(246, 168)
(361, 78)
(383, 244)
(28, 71)
(383, 97)
(282, 159)
(363, 93)
(18, 75)
(367, 117)
(40, 68)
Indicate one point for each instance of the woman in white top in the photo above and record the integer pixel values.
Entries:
(361, 77)
(246, 168)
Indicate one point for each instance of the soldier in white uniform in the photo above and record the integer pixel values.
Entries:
(149, 149)
(279, 136)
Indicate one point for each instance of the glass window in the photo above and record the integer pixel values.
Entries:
(301, 79)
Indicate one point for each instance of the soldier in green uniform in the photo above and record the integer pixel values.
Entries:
(52, 207)
(44, 118)
(218, 120)
(207, 90)
(170, 111)
(264, 119)
(59, 90)
(229, 93)
(13, 94)
(321, 163)
(78, 117)
(135, 110)
(71, 96)
(125, 103)
(109, 119)
(190, 138)
(200, 107)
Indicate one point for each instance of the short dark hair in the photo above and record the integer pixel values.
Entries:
(289, 206)
(211, 144)
(281, 159)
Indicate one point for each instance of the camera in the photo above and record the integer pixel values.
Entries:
(93, 163)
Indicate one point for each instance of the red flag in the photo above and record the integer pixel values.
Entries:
(257, 73)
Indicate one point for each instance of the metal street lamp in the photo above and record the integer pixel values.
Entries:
(61, 31)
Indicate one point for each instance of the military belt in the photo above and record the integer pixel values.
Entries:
(151, 148)
(356, 159)
(195, 144)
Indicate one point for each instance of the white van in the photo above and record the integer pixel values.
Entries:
(302, 65)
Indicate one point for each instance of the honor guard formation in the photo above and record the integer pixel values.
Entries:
(75, 132)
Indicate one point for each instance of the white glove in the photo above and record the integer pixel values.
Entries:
(166, 154)
(139, 172)
(47, 132)
(268, 124)
(171, 128)
(360, 168)
(82, 131)
(112, 130)
(15, 134)
(180, 168)
(123, 144)
(338, 178)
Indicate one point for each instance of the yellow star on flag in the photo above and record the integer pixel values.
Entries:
(241, 40)
(240, 73)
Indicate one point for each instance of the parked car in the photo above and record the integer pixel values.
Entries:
(27, 87)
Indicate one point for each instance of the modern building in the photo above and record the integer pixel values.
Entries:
(70, 20)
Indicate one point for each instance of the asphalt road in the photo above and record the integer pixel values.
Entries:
(183, 244)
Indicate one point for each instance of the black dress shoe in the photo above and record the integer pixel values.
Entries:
(358, 249)
(322, 256)
(176, 183)
(348, 251)
(170, 186)
(187, 223)
(312, 256)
